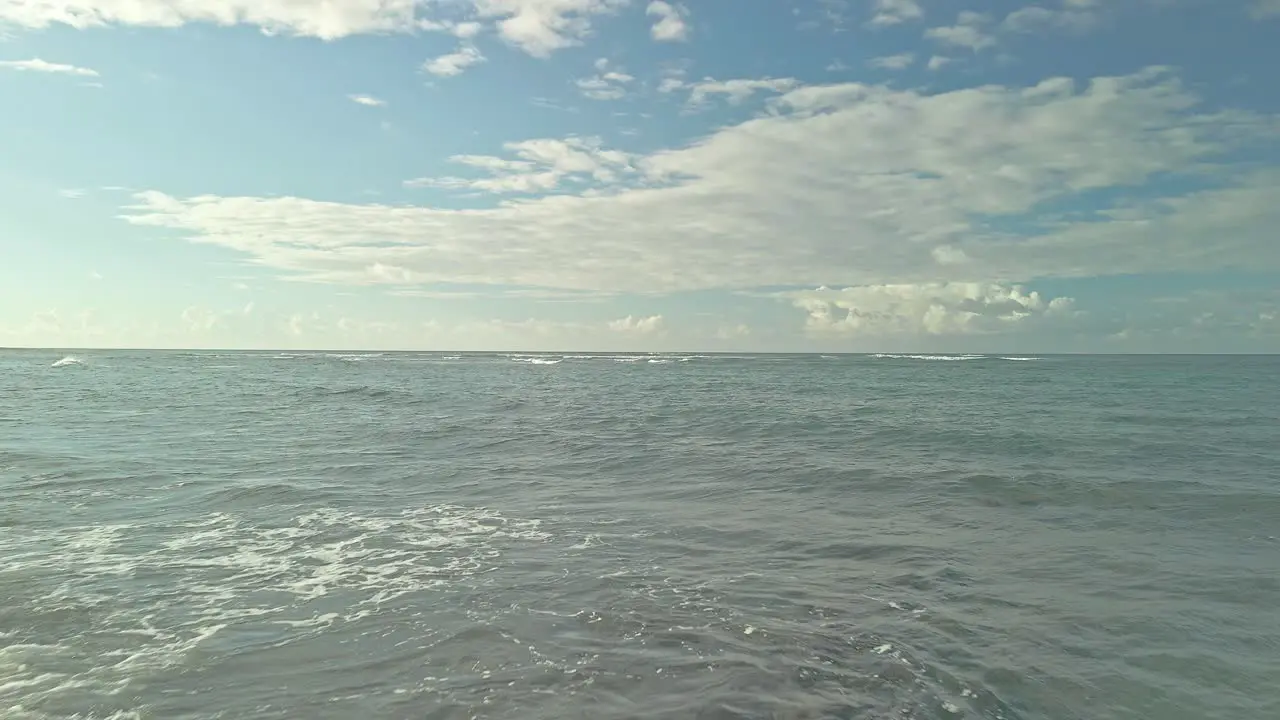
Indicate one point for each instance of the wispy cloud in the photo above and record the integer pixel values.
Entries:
(893, 62)
(735, 91)
(1265, 9)
(540, 166)
(367, 100)
(454, 63)
(607, 84)
(42, 66)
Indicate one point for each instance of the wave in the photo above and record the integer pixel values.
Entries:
(950, 358)
(68, 361)
(944, 358)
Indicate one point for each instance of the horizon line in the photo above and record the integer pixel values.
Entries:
(628, 352)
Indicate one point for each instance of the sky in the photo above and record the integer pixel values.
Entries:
(711, 175)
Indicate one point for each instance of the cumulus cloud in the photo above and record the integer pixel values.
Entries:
(845, 183)
(970, 31)
(454, 63)
(893, 12)
(43, 66)
(637, 325)
(540, 166)
(670, 25)
(540, 27)
(930, 309)
(893, 62)
(1034, 19)
(367, 100)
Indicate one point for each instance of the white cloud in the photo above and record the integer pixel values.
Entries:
(937, 62)
(326, 19)
(38, 65)
(893, 12)
(671, 25)
(847, 183)
(605, 85)
(637, 325)
(72, 193)
(537, 27)
(1034, 19)
(968, 32)
(931, 309)
(367, 100)
(466, 30)
(735, 91)
(542, 165)
(454, 63)
(893, 62)
(540, 27)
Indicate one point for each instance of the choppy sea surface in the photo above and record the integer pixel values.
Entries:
(312, 535)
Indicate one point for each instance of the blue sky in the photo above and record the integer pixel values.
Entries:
(818, 175)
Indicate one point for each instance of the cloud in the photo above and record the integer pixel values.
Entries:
(325, 19)
(736, 91)
(72, 193)
(893, 12)
(930, 309)
(893, 62)
(637, 325)
(540, 27)
(1035, 19)
(671, 25)
(367, 100)
(1263, 9)
(733, 332)
(968, 32)
(542, 165)
(199, 319)
(937, 62)
(38, 65)
(606, 84)
(454, 63)
(844, 183)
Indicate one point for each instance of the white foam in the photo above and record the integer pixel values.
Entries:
(215, 569)
(944, 358)
(68, 361)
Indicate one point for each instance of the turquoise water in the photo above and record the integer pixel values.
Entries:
(274, 535)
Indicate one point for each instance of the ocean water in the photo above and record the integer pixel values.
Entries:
(311, 535)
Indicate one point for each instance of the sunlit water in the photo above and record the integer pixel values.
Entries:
(262, 535)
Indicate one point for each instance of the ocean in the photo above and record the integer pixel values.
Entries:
(401, 535)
